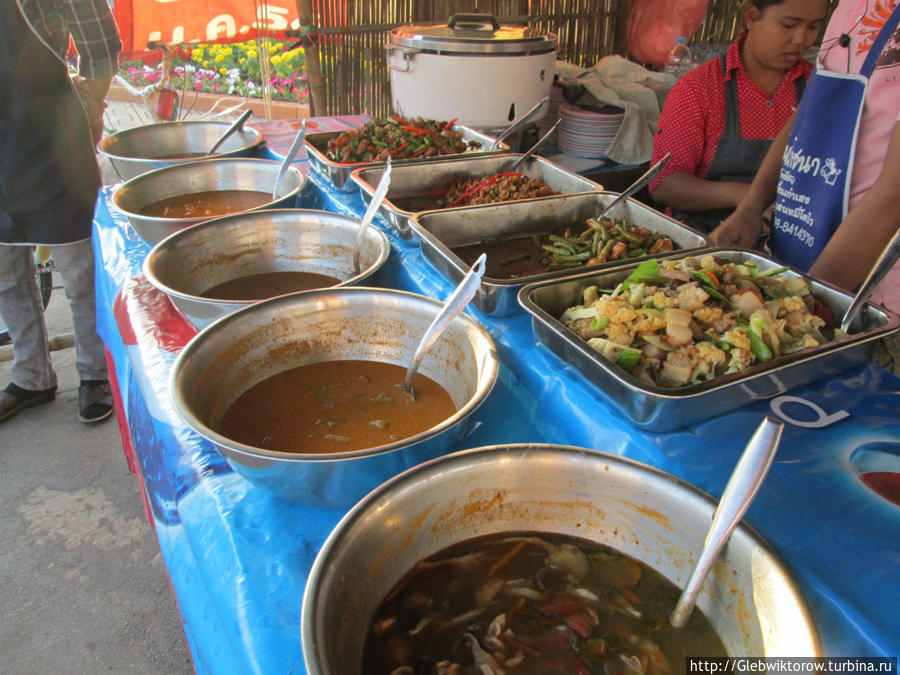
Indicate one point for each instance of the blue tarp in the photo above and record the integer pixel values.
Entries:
(238, 558)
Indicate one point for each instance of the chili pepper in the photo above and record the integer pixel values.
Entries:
(472, 191)
(450, 124)
(418, 130)
(418, 152)
(399, 120)
(343, 138)
(398, 149)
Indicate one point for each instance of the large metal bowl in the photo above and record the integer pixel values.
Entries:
(236, 352)
(152, 146)
(187, 263)
(132, 196)
(749, 596)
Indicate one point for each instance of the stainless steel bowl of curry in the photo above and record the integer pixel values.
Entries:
(153, 146)
(298, 393)
(218, 266)
(163, 201)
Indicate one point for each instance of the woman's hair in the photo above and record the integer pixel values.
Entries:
(761, 5)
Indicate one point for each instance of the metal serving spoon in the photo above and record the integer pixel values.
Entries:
(635, 186)
(534, 147)
(882, 266)
(237, 124)
(518, 122)
(377, 198)
(742, 487)
(289, 157)
(455, 304)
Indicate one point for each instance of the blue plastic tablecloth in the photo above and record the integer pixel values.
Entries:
(238, 558)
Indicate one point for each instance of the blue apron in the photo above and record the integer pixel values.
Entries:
(814, 185)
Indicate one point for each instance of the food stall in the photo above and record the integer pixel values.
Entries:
(238, 557)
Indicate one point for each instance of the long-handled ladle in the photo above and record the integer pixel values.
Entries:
(518, 123)
(288, 158)
(645, 178)
(237, 124)
(455, 304)
(882, 266)
(374, 205)
(742, 487)
(528, 153)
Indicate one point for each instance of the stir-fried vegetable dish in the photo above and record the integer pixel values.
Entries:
(501, 187)
(533, 603)
(603, 241)
(398, 138)
(677, 322)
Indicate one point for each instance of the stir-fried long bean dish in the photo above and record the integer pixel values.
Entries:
(602, 241)
(533, 603)
(398, 138)
(677, 322)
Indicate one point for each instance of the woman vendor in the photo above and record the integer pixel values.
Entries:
(835, 168)
(719, 119)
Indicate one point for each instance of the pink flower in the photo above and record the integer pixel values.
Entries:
(198, 85)
(215, 87)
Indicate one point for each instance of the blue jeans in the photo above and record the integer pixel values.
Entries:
(22, 312)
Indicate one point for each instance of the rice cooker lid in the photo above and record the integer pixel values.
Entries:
(473, 34)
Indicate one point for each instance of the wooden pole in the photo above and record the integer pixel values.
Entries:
(313, 71)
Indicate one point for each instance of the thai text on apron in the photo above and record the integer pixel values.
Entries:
(814, 183)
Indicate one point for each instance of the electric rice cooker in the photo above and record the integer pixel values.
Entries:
(471, 69)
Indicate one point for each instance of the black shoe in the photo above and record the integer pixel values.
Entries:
(95, 402)
(14, 399)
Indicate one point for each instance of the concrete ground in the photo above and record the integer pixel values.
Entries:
(82, 584)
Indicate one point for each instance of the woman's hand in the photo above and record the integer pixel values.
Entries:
(742, 229)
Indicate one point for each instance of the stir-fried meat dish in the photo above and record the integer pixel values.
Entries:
(501, 187)
(533, 603)
(673, 323)
(398, 138)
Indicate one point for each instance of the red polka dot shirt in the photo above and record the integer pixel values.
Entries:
(693, 117)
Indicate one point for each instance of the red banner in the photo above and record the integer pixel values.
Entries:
(185, 21)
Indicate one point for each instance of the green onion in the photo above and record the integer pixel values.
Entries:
(757, 346)
(599, 322)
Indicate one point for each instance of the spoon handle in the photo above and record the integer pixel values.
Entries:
(530, 151)
(451, 309)
(518, 123)
(377, 198)
(237, 124)
(742, 487)
(882, 266)
(289, 157)
(650, 174)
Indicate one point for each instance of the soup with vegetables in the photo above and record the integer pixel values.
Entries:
(533, 603)
(335, 406)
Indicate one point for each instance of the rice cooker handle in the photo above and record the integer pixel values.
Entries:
(401, 64)
(480, 19)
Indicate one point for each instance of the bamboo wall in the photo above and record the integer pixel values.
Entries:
(346, 59)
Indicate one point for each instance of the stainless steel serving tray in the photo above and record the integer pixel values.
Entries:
(439, 174)
(441, 230)
(661, 409)
(339, 173)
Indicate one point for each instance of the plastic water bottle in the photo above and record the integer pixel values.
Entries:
(680, 60)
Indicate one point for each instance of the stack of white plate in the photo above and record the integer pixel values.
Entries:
(584, 133)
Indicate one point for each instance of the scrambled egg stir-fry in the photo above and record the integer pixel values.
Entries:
(678, 322)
